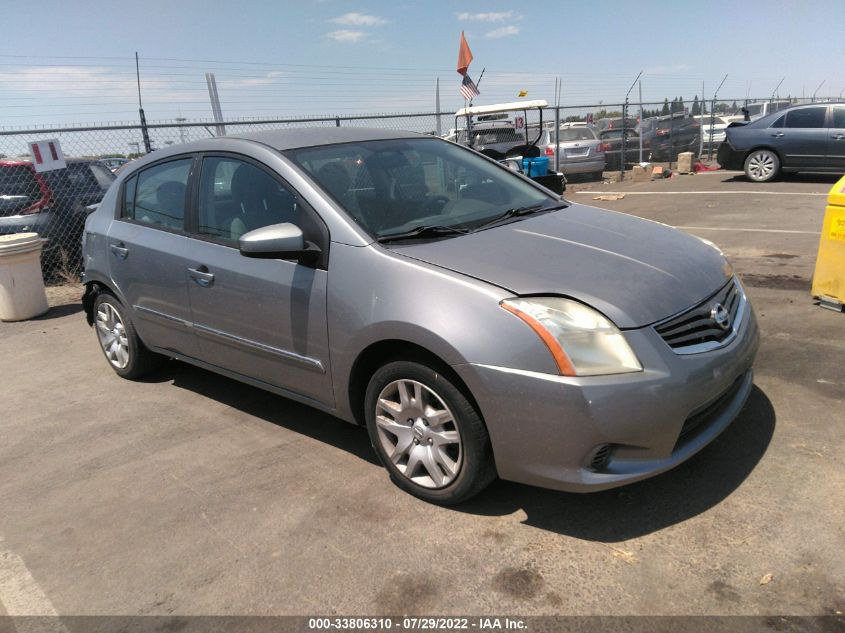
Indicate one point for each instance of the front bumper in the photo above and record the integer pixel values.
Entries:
(546, 429)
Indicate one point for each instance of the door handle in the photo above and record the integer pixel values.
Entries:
(119, 250)
(838, 137)
(201, 276)
(778, 135)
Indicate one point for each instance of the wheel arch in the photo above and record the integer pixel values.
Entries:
(772, 149)
(93, 287)
(384, 351)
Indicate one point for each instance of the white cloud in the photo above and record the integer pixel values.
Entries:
(346, 35)
(359, 19)
(505, 31)
(499, 16)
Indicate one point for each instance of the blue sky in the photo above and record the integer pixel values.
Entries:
(73, 61)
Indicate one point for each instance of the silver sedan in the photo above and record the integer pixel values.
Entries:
(475, 323)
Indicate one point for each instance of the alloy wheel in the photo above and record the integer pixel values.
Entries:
(761, 166)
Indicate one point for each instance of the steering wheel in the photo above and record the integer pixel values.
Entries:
(435, 204)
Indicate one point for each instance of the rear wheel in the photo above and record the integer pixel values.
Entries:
(762, 165)
(427, 434)
(127, 355)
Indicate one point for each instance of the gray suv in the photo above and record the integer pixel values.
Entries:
(477, 324)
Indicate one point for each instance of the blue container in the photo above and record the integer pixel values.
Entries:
(538, 166)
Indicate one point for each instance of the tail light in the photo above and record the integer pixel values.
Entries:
(663, 132)
(550, 151)
(603, 147)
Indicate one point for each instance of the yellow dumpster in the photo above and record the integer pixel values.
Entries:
(829, 278)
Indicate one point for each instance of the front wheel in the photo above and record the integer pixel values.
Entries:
(762, 165)
(427, 434)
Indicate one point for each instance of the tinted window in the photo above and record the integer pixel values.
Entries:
(779, 122)
(18, 180)
(160, 194)
(839, 118)
(237, 197)
(806, 118)
(577, 134)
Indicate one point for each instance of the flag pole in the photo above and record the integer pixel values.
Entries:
(479, 81)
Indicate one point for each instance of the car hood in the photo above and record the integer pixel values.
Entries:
(634, 271)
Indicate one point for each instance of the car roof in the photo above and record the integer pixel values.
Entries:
(293, 138)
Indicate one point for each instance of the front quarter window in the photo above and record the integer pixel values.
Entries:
(392, 186)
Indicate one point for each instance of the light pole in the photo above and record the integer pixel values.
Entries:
(817, 89)
(180, 120)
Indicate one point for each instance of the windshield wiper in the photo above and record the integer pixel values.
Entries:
(516, 212)
(423, 232)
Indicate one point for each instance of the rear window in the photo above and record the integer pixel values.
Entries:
(18, 180)
(806, 117)
(577, 134)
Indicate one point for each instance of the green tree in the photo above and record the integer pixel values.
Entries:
(665, 109)
(696, 106)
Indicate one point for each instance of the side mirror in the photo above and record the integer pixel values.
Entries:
(278, 241)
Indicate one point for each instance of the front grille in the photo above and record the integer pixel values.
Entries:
(697, 329)
(600, 458)
(699, 418)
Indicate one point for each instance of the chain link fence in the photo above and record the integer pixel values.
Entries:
(587, 140)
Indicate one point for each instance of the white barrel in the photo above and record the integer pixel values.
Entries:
(22, 294)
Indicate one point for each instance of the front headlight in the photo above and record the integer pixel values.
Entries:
(581, 340)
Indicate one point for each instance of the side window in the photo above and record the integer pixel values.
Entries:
(839, 118)
(237, 197)
(160, 193)
(128, 209)
(806, 117)
(779, 122)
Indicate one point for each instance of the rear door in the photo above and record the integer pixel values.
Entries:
(261, 318)
(147, 246)
(836, 140)
(803, 139)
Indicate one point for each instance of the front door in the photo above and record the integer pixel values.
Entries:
(147, 247)
(261, 318)
(802, 141)
(836, 140)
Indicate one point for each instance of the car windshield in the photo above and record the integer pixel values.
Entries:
(394, 186)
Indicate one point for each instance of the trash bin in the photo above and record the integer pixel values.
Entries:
(22, 293)
(829, 277)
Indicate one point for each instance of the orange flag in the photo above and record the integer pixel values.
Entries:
(464, 56)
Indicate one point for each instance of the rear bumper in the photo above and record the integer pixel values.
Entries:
(582, 166)
(729, 158)
(41, 223)
(545, 430)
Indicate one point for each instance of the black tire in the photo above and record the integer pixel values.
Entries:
(597, 175)
(141, 361)
(477, 469)
(761, 165)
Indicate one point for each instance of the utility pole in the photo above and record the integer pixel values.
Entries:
(144, 132)
(624, 131)
(215, 103)
(558, 83)
(640, 83)
(772, 98)
(180, 120)
(713, 115)
(438, 128)
(700, 121)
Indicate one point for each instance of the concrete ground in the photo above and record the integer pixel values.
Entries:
(189, 493)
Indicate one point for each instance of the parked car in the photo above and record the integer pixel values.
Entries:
(475, 324)
(615, 123)
(114, 163)
(579, 149)
(51, 204)
(712, 129)
(611, 146)
(667, 136)
(800, 138)
(760, 109)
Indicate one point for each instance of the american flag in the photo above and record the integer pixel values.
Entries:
(468, 88)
